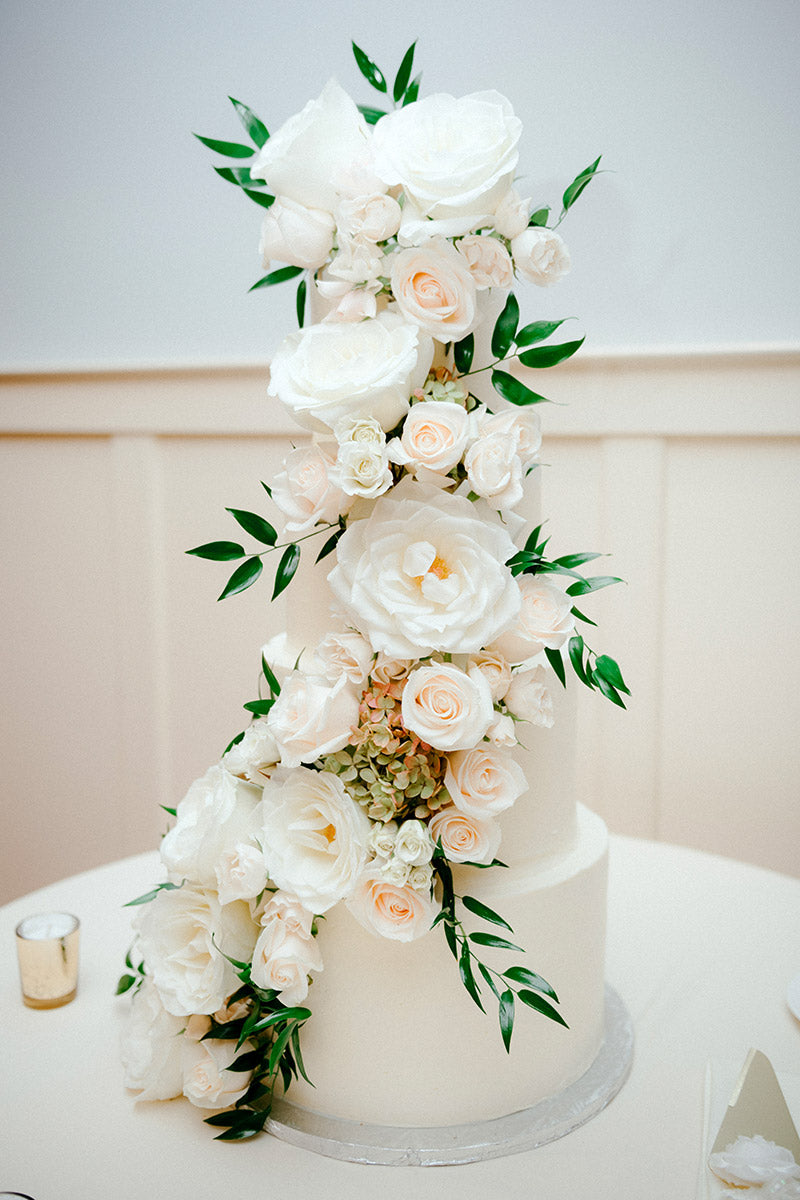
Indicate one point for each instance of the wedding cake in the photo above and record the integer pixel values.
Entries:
(392, 850)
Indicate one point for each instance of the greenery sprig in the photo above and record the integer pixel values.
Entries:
(515, 983)
(405, 90)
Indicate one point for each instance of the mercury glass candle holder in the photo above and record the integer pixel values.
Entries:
(47, 950)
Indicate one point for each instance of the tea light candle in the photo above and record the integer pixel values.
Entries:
(47, 950)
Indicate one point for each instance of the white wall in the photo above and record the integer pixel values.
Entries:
(121, 245)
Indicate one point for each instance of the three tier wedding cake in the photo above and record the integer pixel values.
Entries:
(393, 844)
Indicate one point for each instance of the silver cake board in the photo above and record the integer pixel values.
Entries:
(550, 1119)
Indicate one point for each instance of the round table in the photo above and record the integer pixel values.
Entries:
(700, 948)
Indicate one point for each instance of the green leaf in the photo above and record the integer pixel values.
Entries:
(295, 1040)
(271, 678)
(515, 392)
(262, 198)
(240, 177)
(286, 568)
(267, 488)
(505, 327)
(412, 91)
(279, 1045)
(608, 691)
(491, 939)
(540, 217)
(609, 670)
(279, 276)
(219, 551)
(485, 866)
(125, 983)
(483, 911)
(255, 525)
(532, 540)
(233, 742)
(463, 353)
(300, 303)
(537, 331)
(151, 895)
(575, 560)
(550, 356)
(371, 73)
(256, 129)
(330, 545)
(171, 811)
(403, 75)
(246, 1062)
(533, 1000)
(371, 115)
(506, 1015)
(582, 616)
(450, 936)
(242, 578)
(229, 149)
(242, 1131)
(487, 975)
(557, 663)
(579, 183)
(582, 587)
(530, 979)
(467, 977)
(259, 708)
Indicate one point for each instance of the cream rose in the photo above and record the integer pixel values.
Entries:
(529, 699)
(501, 731)
(151, 1046)
(447, 708)
(434, 288)
(356, 305)
(297, 235)
(521, 427)
(484, 781)
(255, 755)
(283, 959)
(362, 470)
(362, 369)
(425, 573)
(374, 217)
(315, 837)
(300, 160)
(434, 436)
(413, 844)
(540, 256)
(511, 214)
(347, 654)
(495, 670)
(494, 469)
(240, 873)
(463, 181)
(400, 913)
(217, 811)
(312, 717)
(465, 838)
(288, 910)
(207, 1082)
(488, 261)
(175, 937)
(356, 262)
(306, 490)
(382, 839)
(545, 620)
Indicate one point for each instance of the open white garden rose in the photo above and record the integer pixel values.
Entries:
(434, 288)
(207, 1082)
(545, 620)
(175, 937)
(312, 717)
(446, 707)
(315, 836)
(453, 158)
(465, 838)
(401, 913)
(351, 369)
(425, 573)
(151, 1046)
(217, 811)
(301, 158)
(484, 781)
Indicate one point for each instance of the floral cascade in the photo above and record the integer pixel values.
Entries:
(381, 756)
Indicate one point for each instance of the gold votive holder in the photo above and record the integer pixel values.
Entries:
(47, 950)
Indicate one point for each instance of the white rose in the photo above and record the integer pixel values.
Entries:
(434, 436)
(540, 255)
(501, 732)
(545, 619)
(283, 959)
(521, 426)
(356, 261)
(356, 305)
(312, 717)
(303, 156)
(445, 707)
(484, 781)
(387, 670)
(217, 811)
(297, 235)
(207, 1082)
(465, 838)
(413, 844)
(753, 1161)
(382, 839)
(282, 655)
(495, 670)
(529, 699)
(359, 429)
(511, 214)
(488, 261)
(315, 837)
(475, 156)
(395, 871)
(363, 369)
(288, 910)
(362, 469)
(240, 873)
(494, 469)
(433, 287)
(306, 490)
(425, 573)
(255, 755)
(374, 217)
(420, 878)
(345, 654)
(400, 913)
(151, 1046)
(175, 937)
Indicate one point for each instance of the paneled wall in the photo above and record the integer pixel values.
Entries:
(123, 679)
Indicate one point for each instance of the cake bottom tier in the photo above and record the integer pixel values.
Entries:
(396, 1040)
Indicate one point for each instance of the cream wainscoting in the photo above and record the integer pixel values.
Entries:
(123, 679)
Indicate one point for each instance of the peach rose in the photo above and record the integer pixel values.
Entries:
(434, 288)
(400, 913)
(434, 436)
(488, 261)
(545, 620)
(465, 838)
(447, 708)
(484, 781)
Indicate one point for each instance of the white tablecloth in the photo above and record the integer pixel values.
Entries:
(700, 948)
